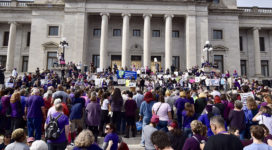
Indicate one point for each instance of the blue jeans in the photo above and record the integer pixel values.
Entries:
(145, 122)
(162, 125)
(34, 125)
(188, 132)
(242, 134)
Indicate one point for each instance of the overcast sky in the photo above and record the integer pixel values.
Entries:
(250, 3)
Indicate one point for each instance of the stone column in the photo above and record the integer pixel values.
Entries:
(147, 36)
(104, 40)
(256, 42)
(191, 41)
(11, 47)
(168, 41)
(125, 40)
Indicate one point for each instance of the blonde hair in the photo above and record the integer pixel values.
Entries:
(18, 135)
(167, 93)
(15, 97)
(197, 127)
(84, 139)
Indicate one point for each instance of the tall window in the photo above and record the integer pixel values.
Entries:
(53, 31)
(243, 68)
(6, 38)
(3, 60)
(137, 32)
(97, 32)
(25, 64)
(219, 62)
(156, 33)
(28, 39)
(175, 34)
(175, 62)
(241, 43)
(216, 1)
(51, 59)
(96, 60)
(262, 44)
(217, 34)
(116, 32)
(265, 68)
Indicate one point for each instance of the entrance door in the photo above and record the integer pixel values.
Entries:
(116, 59)
(136, 61)
(218, 61)
(51, 59)
(153, 62)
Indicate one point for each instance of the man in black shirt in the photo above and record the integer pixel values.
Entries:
(222, 140)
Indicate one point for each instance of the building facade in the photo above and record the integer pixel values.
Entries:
(136, 33)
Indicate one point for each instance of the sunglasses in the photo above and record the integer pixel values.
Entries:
(107, 128)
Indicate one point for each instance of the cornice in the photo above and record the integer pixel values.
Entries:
(47, 6)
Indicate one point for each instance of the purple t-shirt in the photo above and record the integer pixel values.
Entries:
(114, 137)
(130, 107)
(34, 104)
(14, 110)
(62, 122)
(187, 120)
(5, 104)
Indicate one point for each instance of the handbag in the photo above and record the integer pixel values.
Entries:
(155, 115)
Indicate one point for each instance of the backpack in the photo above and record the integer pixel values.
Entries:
(52, 131)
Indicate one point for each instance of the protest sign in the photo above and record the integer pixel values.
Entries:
(244, 97)
(121, 81)
(126, 74)
(197, 79)
(214, 82)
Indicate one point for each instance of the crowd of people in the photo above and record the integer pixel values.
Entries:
(44, 110)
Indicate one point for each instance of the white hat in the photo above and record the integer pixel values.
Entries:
(57, 101)
(39, 145)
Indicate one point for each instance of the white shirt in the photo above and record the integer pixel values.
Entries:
(267, 121)
(105, 104)
(14, 73)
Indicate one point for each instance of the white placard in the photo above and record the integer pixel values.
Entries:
(197, 79)
(9, 85)
(244, 97)
(132, 84)
(98, 82)
(121, 81)
(214, 82)
(176, 73)
(99, 70)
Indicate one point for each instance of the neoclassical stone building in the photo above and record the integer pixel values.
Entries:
(136, 32)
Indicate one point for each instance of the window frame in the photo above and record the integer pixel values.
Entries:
(265, 65)
(243, 65)
(23, 63)
(53, 25)
(116, 35)
(241, 42)
(222, 34)
(28, 39)
(262, 43)
(96, 64)
(4, 41)
(154, 31)
(136, 31)
(94, 31)
(175, 31)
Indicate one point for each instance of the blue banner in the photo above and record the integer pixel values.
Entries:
(126, 74)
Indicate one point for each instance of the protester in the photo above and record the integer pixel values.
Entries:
(264, 117)
(160, 141)
(130, 109)
(105, 108)
(93, 111)
(85, 140)
(222, 140)
(257, 134)
(16, 111)
(116, 102)
(6, 141)
(147, 132)
(111, 136)
(39, 145)
(176, 136)
(18, 136)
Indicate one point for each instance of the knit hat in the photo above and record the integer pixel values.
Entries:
(217, 99)
(148, 97)
(202, 95)
(57, 101)
(154, 119)
(182, 94)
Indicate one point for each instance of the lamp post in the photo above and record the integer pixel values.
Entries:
(63, 44)
(208, 48)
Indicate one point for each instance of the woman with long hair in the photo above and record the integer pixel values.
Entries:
(116, 102)
(93, 113)
(105, 108)
(188, 115)
(16, 111)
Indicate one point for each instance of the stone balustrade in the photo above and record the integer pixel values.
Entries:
(256, 10)
(14, 3)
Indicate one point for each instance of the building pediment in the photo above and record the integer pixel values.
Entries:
(51, 44)
(220, 48)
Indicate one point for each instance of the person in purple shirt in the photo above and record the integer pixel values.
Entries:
(130, 108)
(35, 111)
(5, 102)
(63, 123)
(188, 115)
(193, 143)
(110, 137)
(16, 111)
(93, 111)
(85, 140)
(179, 104)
